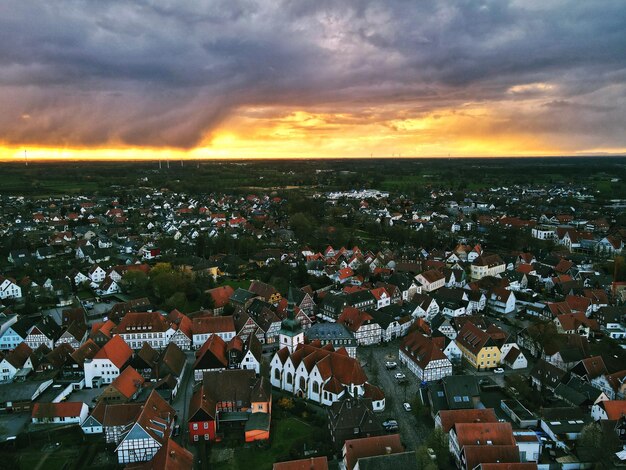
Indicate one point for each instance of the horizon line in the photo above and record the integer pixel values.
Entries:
(174, 160)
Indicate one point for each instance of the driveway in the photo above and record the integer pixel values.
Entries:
(412, 431)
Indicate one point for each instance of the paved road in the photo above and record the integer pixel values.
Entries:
(412, 431)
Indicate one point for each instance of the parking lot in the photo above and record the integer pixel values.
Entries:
(413, 431)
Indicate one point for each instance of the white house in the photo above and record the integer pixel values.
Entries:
(424, 357)
(96, 274)
(59, 413)
(608, 409)
(501, 301)
(431, 280)
(204, 327)
(9, 289)
(137, 328)
(107, 363)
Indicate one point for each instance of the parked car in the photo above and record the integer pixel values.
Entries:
(431, 454)
(176, 430)
(498, 370)
(390, 425)
(391, 365)
(407, 406)
(400, 376)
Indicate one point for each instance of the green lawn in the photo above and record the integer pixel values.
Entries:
(285, 433)
(235, 283)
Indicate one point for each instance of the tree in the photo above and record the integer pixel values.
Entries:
(598, 444)
(438, 442)
(135, 282)
(301, 225)
(424, 460)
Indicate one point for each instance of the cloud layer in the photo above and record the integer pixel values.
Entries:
(178, 74)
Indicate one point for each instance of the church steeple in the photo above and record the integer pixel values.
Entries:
(291, 333)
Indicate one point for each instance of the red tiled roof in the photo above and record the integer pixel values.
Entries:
(221, 295)
(483, 434)
(128, 382)
(216, 346)
(115, 350)
(170, 456)
(202, 325)
(103, 327)
(475, 455)
(134, 322)
(421, 350)
(353, 318)
(615, 409)
(313, 463)
(356, 449)
(451, 417)
(69, 409)
(472, 338)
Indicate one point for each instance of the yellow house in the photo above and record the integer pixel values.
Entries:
(477, 347)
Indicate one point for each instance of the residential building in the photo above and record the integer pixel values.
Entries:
(424, 358)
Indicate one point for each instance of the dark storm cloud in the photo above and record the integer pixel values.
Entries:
(165, 73)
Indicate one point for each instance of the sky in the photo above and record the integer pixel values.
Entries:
(278, 78)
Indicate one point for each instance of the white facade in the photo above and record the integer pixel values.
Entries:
(78, 419)
(103, 368)
(10, 290)
(156, 339)
(434, 370)
(200, 338)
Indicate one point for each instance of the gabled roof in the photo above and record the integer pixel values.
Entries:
(115, 350)
(155, 420)
(489, 433)
(614, 409)
(86, 351)
(221, 295)
(128, 383)
(145, 322)
(201, 406)
(171, 361)
(473, 339)
(19, 355)
(213, 347)
(371, 446)
(421, 350)
(451, 417)
(68, 409)
(477, 454)
(170, 456)
(203, 325)
(104, 328)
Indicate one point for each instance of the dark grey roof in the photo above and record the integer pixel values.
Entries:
(22, 391)
(241, 296)
(329, 331)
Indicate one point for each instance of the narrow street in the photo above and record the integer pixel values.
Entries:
(412, 431)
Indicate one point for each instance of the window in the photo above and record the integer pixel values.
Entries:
(206, 437)
(206, 426)
(195, 438)
(195, 426)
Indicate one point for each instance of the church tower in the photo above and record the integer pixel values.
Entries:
(291, 333)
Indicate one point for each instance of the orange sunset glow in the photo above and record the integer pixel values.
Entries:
(344, 80)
